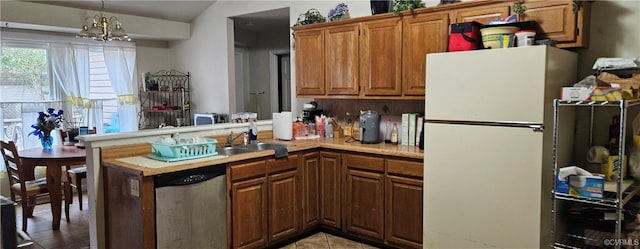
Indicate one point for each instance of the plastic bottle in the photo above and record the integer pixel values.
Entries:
(387, 132)
(394, 134)
(253, 132)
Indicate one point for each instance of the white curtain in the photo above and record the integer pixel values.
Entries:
(121, 63)
(70, 66)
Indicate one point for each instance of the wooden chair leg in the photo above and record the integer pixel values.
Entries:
(67, 199)
(78, 183)
(25, 211)
(31, 204)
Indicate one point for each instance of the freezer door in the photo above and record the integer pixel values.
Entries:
(500, 85)
(482, 187)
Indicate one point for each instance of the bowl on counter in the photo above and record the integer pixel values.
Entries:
(491, 35)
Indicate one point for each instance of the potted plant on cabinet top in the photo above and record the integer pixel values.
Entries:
(402, 5)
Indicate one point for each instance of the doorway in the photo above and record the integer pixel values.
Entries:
(267, 85)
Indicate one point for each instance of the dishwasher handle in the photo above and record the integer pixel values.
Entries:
(191, 176)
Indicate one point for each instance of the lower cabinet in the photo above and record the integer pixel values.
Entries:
(373, 197)
(285, 202)
(364, 195)
(330, 191)
(310, 190)
(249, 213)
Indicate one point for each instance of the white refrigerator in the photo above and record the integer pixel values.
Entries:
(488, 146)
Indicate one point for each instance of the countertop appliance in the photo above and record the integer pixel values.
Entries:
(309, 115)
(370, 127)
(209, 118)
(487, 155)
(191, 208)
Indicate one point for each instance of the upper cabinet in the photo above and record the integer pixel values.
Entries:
(310, 62)
(482, 14)
(565, 22)
(341, 54)
(384, 56)
(423, 34)
(380, 57)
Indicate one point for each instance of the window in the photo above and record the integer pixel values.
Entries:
(27, 86)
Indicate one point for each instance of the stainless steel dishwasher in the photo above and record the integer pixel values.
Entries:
(191, 208)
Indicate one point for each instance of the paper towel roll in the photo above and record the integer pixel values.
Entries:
(283, 126)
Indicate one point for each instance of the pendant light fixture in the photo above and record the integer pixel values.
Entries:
(101, 28)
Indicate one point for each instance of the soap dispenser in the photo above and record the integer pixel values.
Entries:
(253, 133)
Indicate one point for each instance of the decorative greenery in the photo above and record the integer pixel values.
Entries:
(309, 17)
(518, 8)
(47, 122)
(448, 1)
(402, 5)
(576, 6)
(338, 12)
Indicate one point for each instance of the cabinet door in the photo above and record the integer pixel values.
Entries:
(380, 57)
(249, 213)
(421, 35)
(403, 211)
(283, 211)
(364, 203)
(482, 14)
(341, 64)
(310, 190)
(330, 192)
(556, 19)
(309, 47)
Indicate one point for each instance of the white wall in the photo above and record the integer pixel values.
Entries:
(614, 33)
(152, 56)
(260, 71)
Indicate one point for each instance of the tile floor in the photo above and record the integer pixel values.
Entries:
(326, 241)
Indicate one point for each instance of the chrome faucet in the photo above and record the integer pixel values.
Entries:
(230, 138)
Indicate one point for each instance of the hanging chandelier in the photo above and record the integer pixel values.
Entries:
(101, 28)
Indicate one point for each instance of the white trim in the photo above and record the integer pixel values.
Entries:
(273, 76)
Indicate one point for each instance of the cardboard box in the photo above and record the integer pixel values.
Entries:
(586, 186)
(575, 93)
(610, 168)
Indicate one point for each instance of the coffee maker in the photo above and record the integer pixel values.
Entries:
(370, 127)
(309, 115)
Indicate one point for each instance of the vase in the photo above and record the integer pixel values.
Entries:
(47, 141)
(380, 6)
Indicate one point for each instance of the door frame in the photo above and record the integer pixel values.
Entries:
(273, 76)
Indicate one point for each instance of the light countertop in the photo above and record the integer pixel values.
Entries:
(150, 167)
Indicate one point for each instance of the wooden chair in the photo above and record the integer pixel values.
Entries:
(76, 173)
(28, 190)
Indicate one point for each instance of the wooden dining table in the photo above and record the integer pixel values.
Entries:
(54, 159)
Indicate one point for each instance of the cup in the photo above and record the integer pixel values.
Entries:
(179, 122)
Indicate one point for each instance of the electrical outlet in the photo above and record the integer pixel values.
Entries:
(135, 187)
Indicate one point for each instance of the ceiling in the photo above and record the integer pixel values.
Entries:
(179, 10)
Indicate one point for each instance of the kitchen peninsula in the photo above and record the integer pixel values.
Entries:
(372, 192)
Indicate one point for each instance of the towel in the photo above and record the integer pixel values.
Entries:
(281, 151)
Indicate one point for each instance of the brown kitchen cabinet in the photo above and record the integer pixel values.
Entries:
(249, 204)
(559, 22)
(309, 48)
(330, 192)
(364, 196)
(380, 57)
(310, 190)
(341, 54)
(482, 14)
(284, 198)
(403, 203)
(421, 34)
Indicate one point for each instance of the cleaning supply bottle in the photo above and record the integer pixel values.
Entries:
(253, 133)
(394, 134)
(387, 132)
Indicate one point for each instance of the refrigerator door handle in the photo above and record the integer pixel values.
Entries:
(536, 127)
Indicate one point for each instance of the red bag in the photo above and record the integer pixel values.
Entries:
(465, 36)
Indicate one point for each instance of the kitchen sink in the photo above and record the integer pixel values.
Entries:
(264, 146)
(240, 149)
(229, 151)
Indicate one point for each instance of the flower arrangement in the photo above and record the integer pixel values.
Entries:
(310, 17)
(46, 122)
(339, 12)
